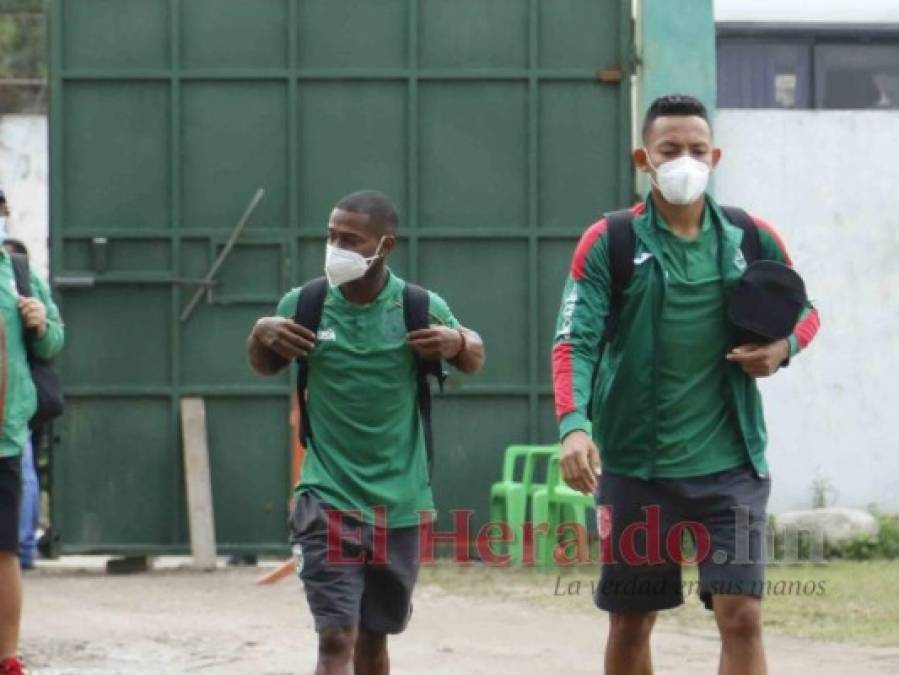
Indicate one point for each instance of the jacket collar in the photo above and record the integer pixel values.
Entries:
(730, 236)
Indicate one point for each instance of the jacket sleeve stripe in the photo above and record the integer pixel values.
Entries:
(807, 328)
(588, 239)
(775, 235)
(563, 379)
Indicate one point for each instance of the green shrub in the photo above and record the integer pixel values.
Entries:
(885, 545)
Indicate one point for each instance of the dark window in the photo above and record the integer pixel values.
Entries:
(836, 68)
(857, 76)
(763, 74)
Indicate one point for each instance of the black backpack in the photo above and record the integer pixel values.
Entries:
(46, 380)
(416, 305)
(623, 243)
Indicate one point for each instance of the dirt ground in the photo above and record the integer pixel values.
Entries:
(78, 620)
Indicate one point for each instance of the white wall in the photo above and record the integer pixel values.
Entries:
(828, 182)
(23, 177)
(830, 11)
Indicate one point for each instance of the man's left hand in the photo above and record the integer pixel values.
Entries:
(34, 314)
(436, 342)
(761, 360)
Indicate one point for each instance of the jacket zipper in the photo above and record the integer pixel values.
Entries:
(737, 410)
(657, 318)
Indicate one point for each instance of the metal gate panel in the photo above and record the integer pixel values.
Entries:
(487, 122)
(350, 133)
(118, 127)
(233, 134)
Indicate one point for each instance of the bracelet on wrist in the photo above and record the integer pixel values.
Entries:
(462, 346)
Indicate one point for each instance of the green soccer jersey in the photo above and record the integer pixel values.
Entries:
(367, 448)
(697, 431)
(21, 396)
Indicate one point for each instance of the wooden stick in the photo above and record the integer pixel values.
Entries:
(282, 571)
(198, 482)
(210, 275)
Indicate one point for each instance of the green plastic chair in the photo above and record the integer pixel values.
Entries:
(509, 497)
(553, 504)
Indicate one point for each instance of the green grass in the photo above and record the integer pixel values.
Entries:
(859, 602)
(848, 601)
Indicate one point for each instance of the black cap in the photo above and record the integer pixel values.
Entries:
(767, 302)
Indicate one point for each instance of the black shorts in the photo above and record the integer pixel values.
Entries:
(641, 524)
(374, 591)
(10, 500)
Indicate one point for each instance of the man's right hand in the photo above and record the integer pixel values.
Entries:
(282, 336)
(579, 461)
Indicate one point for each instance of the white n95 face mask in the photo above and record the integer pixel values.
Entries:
(342, 266)
(681, 181)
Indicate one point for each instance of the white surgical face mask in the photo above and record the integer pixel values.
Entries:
(681, 181)
(342, 266)
(3, 232)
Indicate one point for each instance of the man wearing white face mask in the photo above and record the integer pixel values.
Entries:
(365, 427)
(645, 351)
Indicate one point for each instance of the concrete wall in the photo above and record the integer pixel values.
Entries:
(23, 177)
(827, 181)
(675, 44)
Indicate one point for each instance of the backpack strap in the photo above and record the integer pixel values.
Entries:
(416, 311)
(310, 305)
(622, 244)
(751, 246)
(22, 274)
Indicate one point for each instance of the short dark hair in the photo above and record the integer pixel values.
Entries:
(676, 105)
(376, 205)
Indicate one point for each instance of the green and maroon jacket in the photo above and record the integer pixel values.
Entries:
(616, 395)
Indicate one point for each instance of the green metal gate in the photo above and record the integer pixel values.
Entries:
(489, 123)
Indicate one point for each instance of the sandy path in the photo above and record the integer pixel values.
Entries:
(81, 621)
